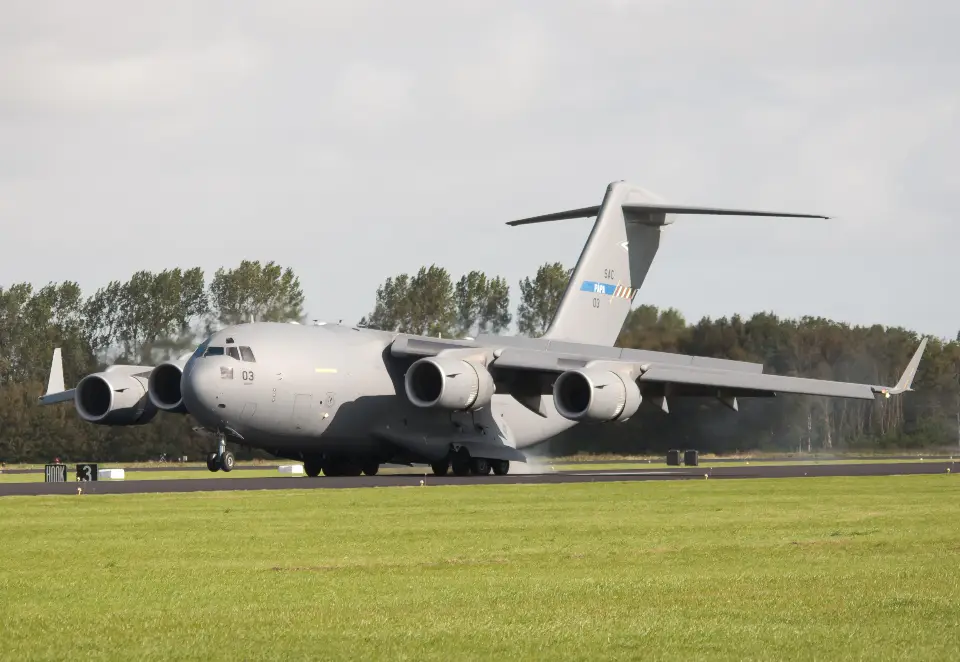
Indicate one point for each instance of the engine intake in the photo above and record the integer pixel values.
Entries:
(448, 383)
(588, 394)
(164, 387)
(110, 398)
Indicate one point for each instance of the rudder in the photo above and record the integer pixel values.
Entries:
(611, 269)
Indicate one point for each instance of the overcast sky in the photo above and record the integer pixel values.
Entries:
(354, 140)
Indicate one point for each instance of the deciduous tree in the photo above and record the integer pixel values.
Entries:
(540, 298)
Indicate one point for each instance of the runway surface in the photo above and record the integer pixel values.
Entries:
(411, 480)
(173, 466)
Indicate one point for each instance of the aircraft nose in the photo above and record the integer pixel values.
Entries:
(200, 386)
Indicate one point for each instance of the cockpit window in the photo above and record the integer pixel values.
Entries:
(214, 351)
(233, 353)
(247, 355)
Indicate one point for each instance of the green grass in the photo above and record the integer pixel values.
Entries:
(812, 568)
(611, 466)
(189, 475)
(149, 475)
(820, 454)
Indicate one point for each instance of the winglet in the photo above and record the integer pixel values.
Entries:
(906, 379)
(55, 381)
(55, 389)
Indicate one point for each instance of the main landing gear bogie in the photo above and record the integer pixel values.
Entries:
(462, 464)
(338, 467)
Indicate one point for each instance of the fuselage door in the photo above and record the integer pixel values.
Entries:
(302, 412)
(249, 409)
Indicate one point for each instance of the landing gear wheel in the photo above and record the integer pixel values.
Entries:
(479, 466)
(312, 468)
(440, 468)
(460, 463)
(501, 467)
(332, 469)
(213, 462)
(227, 461)
(371, 468)
(341, 468)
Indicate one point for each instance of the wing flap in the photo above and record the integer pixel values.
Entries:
(566, 356)
(750, 382)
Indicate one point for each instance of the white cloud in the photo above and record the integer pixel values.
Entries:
(43, 77)
(358, 138)
(369, 96)
(503, 76)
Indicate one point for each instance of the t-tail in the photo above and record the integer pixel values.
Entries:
(616, 258)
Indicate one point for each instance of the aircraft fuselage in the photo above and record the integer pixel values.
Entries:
(330, 389)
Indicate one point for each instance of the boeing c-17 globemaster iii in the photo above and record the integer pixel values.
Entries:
(344, 400)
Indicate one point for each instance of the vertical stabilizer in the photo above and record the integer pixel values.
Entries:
(611, 268)
(616, 258)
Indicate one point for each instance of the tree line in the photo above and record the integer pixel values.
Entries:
(154, 316)
(146, 319)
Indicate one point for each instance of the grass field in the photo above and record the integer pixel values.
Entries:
(814, 568)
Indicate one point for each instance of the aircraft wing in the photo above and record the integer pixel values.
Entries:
(656, 373)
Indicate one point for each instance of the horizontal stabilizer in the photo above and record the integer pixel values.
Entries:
(709, 211)
(585, 212)
(631, 208)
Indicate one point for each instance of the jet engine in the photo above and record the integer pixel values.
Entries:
(164, 387)
(448, 383)
(589, 394)
(113, 398)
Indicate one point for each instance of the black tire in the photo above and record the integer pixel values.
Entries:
(312, 468)
(501, 467)
(479, 466)
(331, 468)
(342, 468)
(460, 463)
(227, 461)
(213, 462)
(371, 468)
(440, 468)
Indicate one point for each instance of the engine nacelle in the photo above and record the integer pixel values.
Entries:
(448, 383)
(591, 394)
(113, 398)
(163, 387)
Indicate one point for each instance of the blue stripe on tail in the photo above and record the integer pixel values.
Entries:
(598, 288)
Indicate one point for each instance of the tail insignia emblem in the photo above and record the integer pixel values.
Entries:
(609, 289)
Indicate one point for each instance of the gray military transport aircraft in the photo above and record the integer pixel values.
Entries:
(345, 399)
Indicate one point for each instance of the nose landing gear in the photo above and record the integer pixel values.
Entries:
(223, 459)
